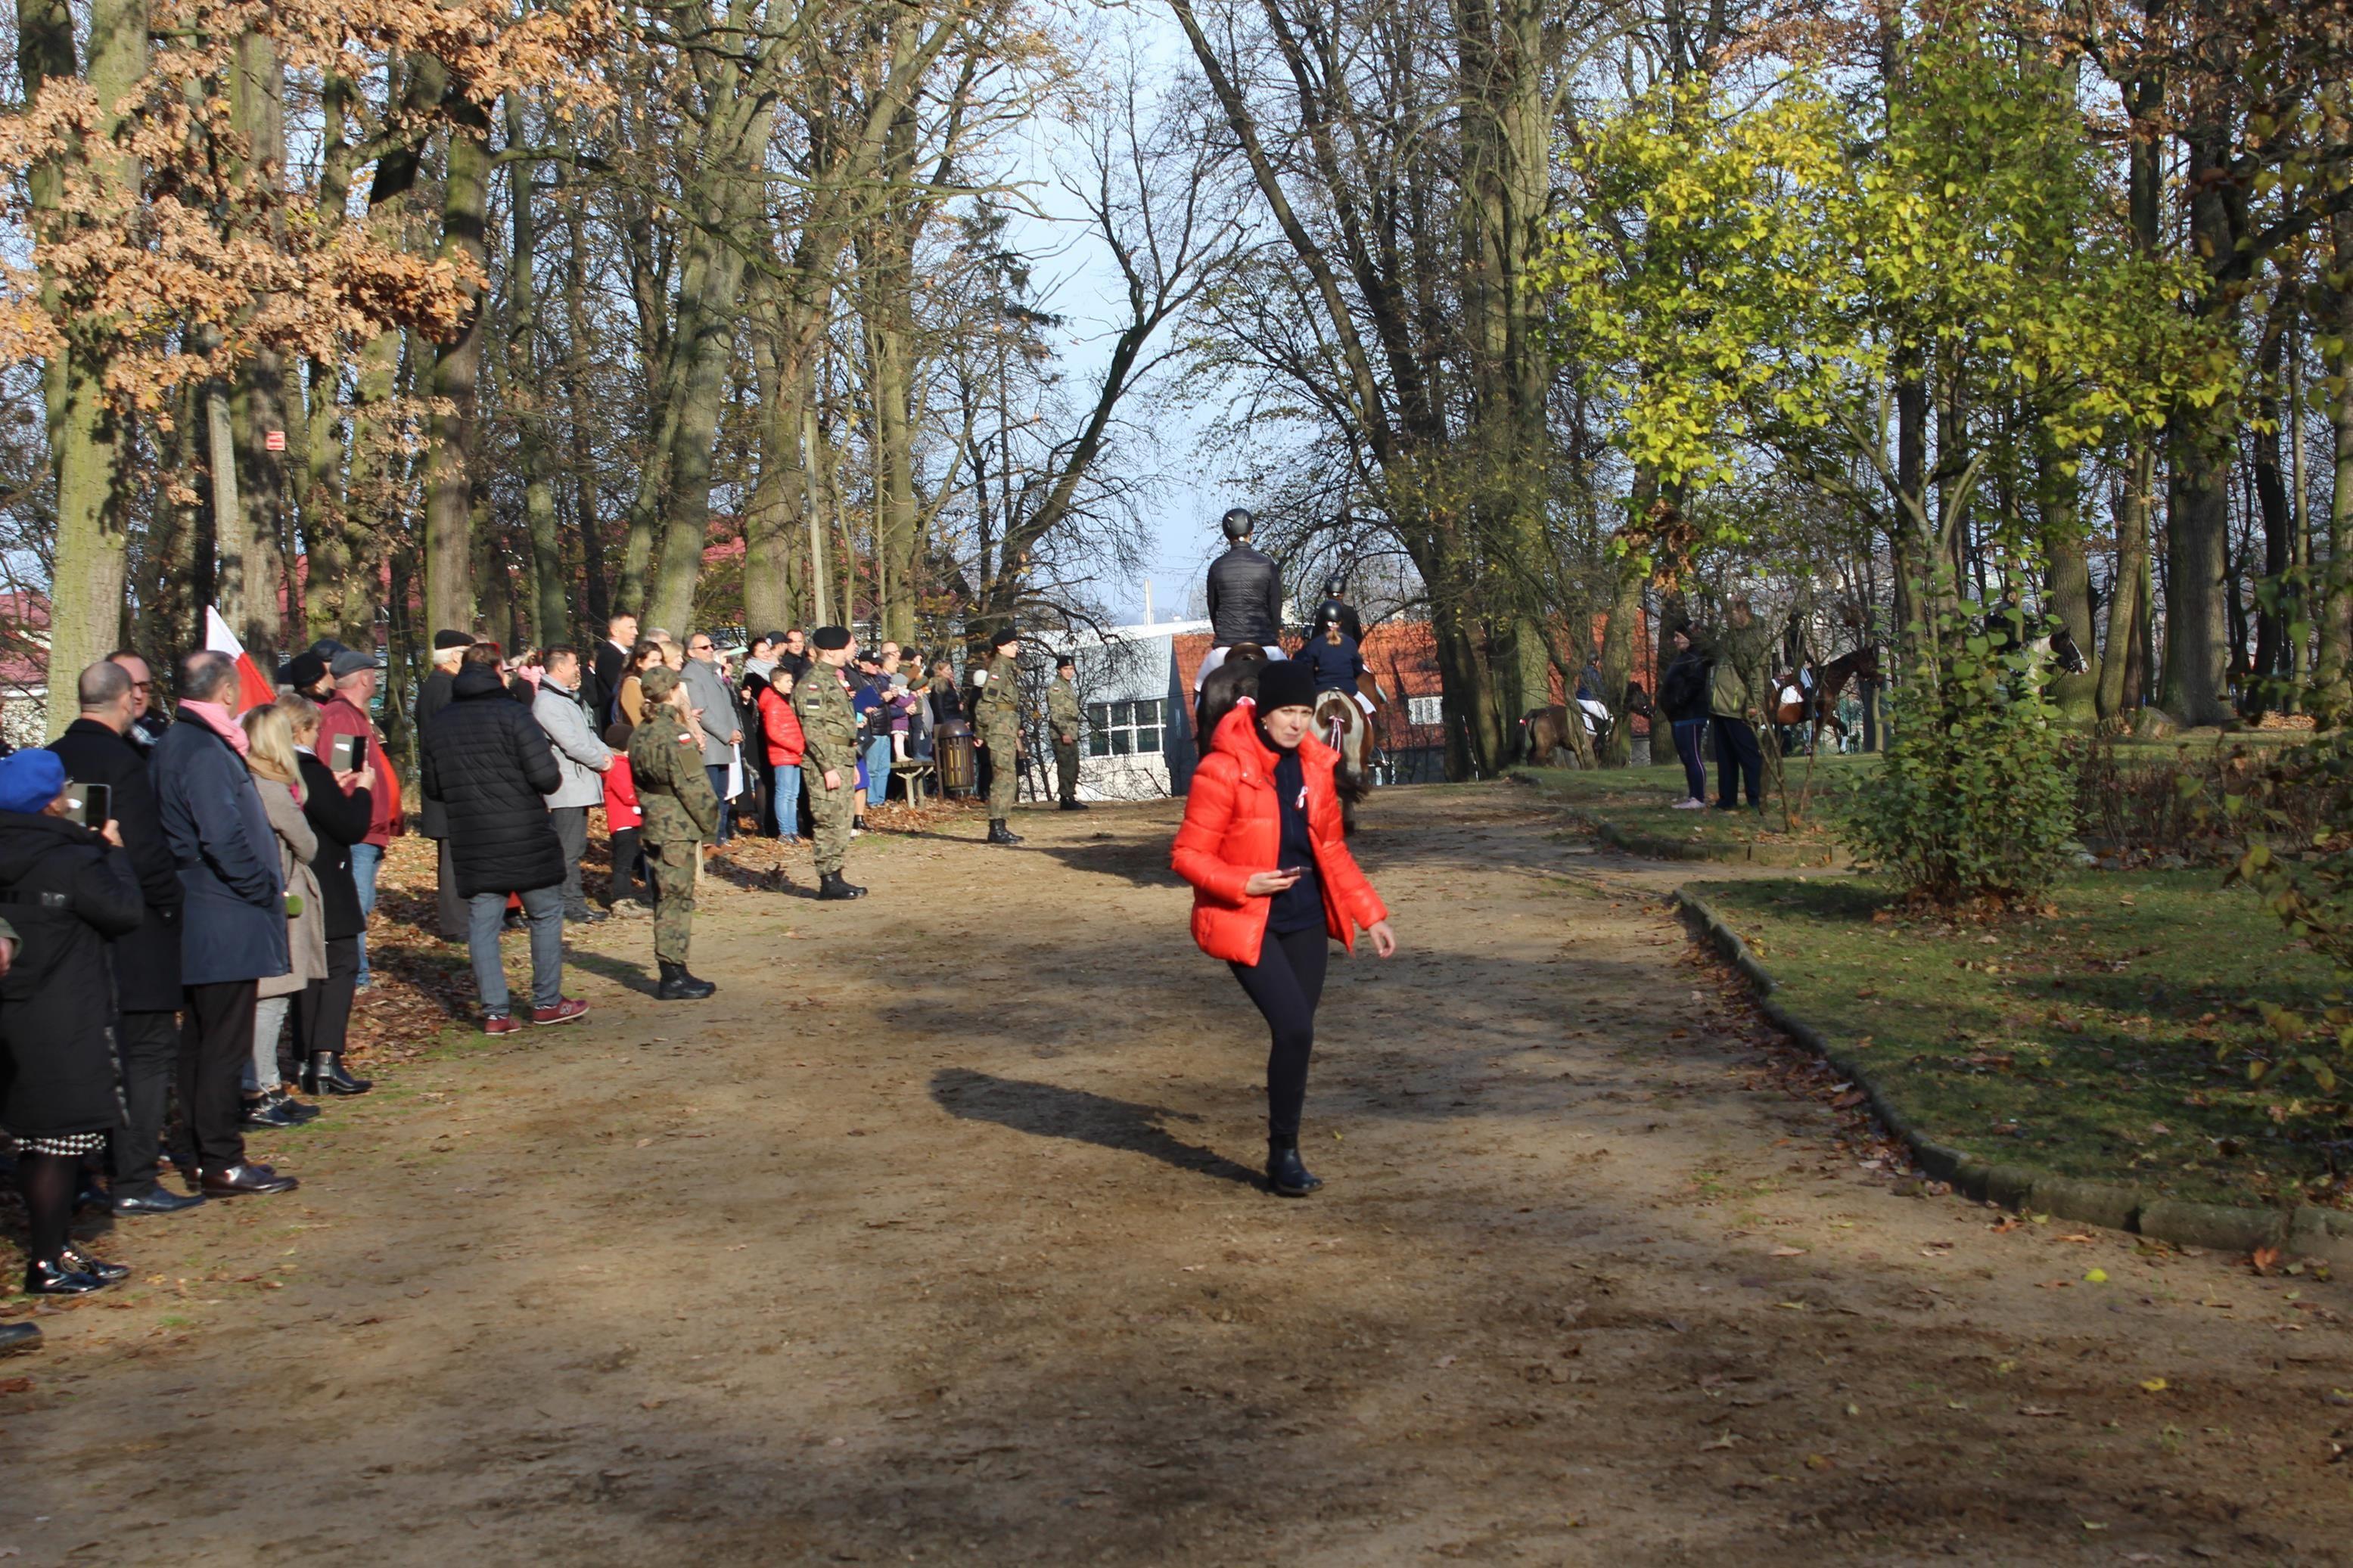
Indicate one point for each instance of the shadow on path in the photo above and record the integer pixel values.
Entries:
(1049, 1110)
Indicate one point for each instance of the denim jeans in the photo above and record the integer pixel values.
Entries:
(543, 910)
(878, 770)
(784, 799)
(365, 860)
(717, 773)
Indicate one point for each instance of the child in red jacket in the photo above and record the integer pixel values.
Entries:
(622, 820)
(1275, 885)
(780, 728)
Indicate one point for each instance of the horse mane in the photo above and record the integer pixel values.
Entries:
(1223, 688)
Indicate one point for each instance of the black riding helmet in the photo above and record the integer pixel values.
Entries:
(1334, 587)
(1237, 523)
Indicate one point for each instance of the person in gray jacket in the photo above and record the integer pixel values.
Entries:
(582, 759)
(707, 693)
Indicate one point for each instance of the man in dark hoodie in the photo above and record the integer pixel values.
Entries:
(488, 765)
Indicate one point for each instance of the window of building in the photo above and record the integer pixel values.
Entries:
(1422, 710)
(1125, 728)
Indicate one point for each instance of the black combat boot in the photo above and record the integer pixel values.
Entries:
(327, 1075)
(1284, 1174)
(831, 886)
(1074, 805)
(1000, 834)
(678, 985)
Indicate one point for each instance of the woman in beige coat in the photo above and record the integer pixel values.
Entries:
(278, 778)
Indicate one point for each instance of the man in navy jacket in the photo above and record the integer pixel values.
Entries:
(233, 922)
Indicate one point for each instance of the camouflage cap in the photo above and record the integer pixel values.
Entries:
(659, 683)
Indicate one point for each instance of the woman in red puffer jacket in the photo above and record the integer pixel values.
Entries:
(1274, 883)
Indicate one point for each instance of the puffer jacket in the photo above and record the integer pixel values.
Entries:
(1683, 690)
(67, 893)
(1245, 599)
(488, 764)
(1233, 828)
(780, 727)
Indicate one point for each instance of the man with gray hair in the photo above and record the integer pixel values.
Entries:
(97, 750)
(233, 925)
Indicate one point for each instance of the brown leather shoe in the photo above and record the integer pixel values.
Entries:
(247, 1180)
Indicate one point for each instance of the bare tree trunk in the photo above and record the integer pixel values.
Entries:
(2127, 600)
(550, 608)
(452, 431)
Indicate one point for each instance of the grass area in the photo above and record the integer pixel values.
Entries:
(1640, 803)
(2083, 1042)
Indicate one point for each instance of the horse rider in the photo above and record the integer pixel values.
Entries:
(1245, 596)
(1335, 607)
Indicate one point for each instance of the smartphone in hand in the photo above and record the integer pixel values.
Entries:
(89, 805)
(344, 754)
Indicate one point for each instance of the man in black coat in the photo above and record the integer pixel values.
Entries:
(600, 685)
(489, 764)
(432, 696)
(322, 1009)
(97, 750)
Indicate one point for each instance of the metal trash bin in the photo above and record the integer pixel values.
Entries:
(959, 764)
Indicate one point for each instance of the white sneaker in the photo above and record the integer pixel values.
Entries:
(1690, 804)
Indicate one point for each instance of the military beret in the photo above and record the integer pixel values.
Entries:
(1007, 633)
(443, 641)
(830, 637)
(1066, 661)
(659, 682)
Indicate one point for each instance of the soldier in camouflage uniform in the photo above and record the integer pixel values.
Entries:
(1067, 721)
(680, 812)
(829, 760)
(997, 728)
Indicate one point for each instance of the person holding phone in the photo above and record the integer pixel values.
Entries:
(1274, 883)
(68, 892)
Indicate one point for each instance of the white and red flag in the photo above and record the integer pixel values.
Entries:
(254, 687)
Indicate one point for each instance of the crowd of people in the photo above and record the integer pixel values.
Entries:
(186, 882)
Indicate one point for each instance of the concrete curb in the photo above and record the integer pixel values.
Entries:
(2307, 1231)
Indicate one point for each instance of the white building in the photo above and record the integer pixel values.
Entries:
(1136, 688)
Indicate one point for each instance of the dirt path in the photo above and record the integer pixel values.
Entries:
(954, 1258)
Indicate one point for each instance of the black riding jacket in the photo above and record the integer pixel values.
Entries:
(1245, 599)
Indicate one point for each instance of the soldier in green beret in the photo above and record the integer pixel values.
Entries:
(997, 728)
(829, 760)
(680, 812)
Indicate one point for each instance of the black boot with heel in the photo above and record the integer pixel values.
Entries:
(1284, 1172)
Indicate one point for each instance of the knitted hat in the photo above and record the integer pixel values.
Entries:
(30, 780)
(1285, 683)
(304, 671)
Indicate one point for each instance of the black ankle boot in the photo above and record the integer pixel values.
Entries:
(59, 1278)
(678, 985)
(1000, 834)
(73, 1258)
(1284, 1172)
(326, 1075)
(832, 886)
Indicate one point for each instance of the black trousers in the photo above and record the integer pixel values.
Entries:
(150, 1051)
(216, 1042)
(1736, 747)
(1286, 983)
(628, 869)
(322, 1009)
(451, 909)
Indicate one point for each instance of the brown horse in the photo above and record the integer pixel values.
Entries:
(1830, 684)
(1343, 726)
(1544, 733)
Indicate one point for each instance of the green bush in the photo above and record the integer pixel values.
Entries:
(1973, 803)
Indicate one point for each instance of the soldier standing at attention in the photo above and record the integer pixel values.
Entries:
(996, 721)
(829, 756)
(680, 812)
(1064, 716)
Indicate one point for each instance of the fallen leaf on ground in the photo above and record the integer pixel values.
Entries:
(2152, 1385)
(2097, 1277)
(1788, 1252)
